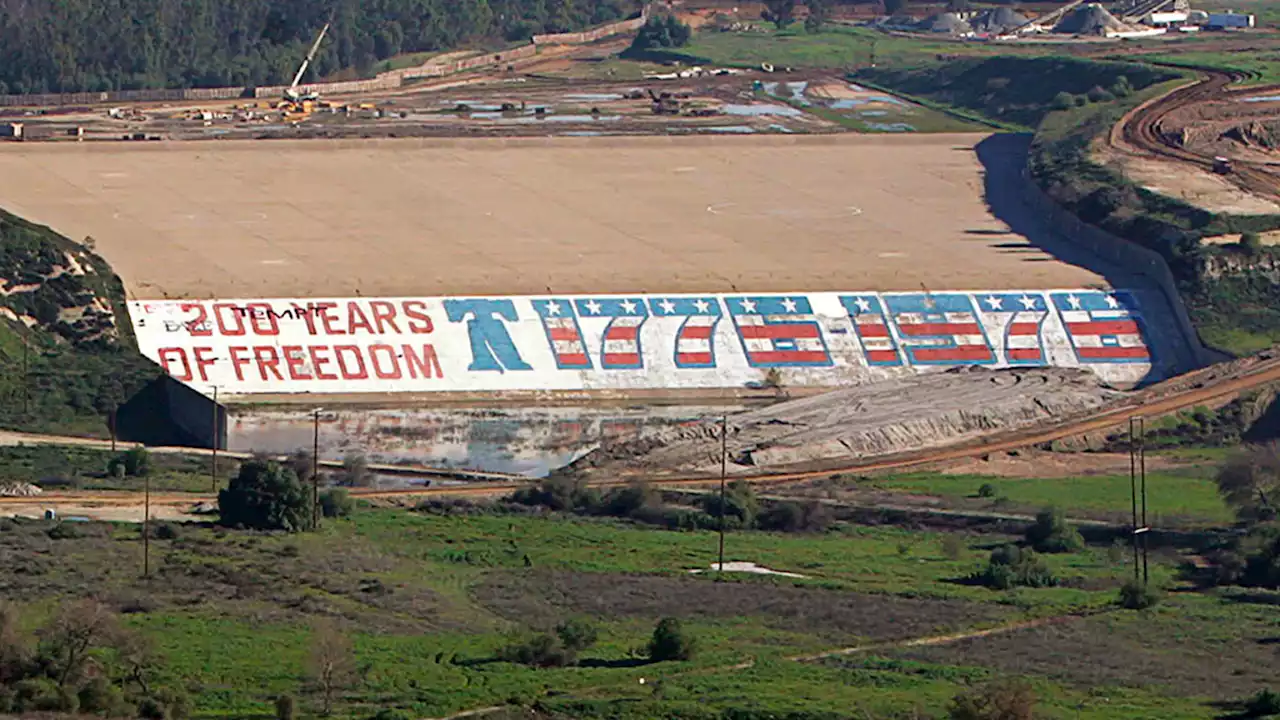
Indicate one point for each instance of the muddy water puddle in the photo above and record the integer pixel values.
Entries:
(525, 441)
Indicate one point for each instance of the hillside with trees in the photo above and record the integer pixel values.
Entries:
(95, 45)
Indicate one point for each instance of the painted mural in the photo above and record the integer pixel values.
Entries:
(620, 343)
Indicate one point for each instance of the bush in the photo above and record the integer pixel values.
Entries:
(542, 650)
(285, 709)
(391, 714)
(1008, 700)
(790, 516)
(64, 531)
(1011, 566)
(671, 642)
(264, 496)
(355, 471)
(576, 635)
(1251, 243)
(165, 531)
(42, 694)
(135, 462)
(660, 32)
(100, 697)
(629, 501)
(1051, 534)
(1063, 101)
(1099, 95)
(987, 490)
(559, 494)
(336, 503)
(1137, 596)
(1264, 703)
(740, 505)
(953, 547)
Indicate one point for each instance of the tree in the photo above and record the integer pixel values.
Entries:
(1138, 596)
(138, 659)
(264, 496)
(576, 636)
(14, 646)
(779, 12)
(1011, 566)
(671, 642)
(740, 505)
(1052, 534)
(819, 13)
(1250, 481)
(134, 462)
(335, 503)
(76, 628)
(659, 32)
(355, 471)
(1251, 243)
(894, 7)
(332, 665)
(302, 463)
(1001, 700)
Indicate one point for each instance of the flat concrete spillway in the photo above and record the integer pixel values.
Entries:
(568, 215)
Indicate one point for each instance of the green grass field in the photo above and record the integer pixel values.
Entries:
(1176, 497)
(1263, 66)
(429, 599)
(55, 467)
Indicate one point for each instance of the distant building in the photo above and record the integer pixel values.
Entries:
(11, 130)
(1229, 21)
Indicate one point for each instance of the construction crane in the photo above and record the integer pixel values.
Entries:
(292, 94)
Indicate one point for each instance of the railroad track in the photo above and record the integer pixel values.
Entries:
(1145, 127)
(1197, 388)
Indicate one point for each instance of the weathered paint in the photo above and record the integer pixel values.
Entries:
(649, 342)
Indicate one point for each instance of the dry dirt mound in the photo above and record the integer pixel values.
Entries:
(869, 420)
(1089, 20)
(19, 489)
(998, 20)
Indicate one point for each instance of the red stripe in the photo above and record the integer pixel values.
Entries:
(622, 332)
(779, 330)
(873, 331)
(696, 332)
(882, 355)
(563, 334)
(789, 356)
(1024, 328)
(1024, 354)
(621, 359)
(573, 360)
(1109, 353)
(1104, 327)
(689, 358)
(939, 329)
(964, 352)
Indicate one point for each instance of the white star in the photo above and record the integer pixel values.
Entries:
(863, 305)
(1028, 302)
(702, 305)
(553, 308)
(1075, 301)
(667, 306)
(1112, 302)
(994, 302)
(628, 306)
(593, 307)
(748, 305)
(789, 305)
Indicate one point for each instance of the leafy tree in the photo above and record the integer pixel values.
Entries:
(1011, 566)
(671, 642)
(1251, 243)
(576, 635)
(134, 462)
(810, 516)
(1138, 596)
(1052, 534)
(355, 471)
(659, 32)
(819, 13)
(740, 505)
(1063, 101)
(1250, 481)
(264, 496)
(779, 12)
(76, 629)
(302, 463)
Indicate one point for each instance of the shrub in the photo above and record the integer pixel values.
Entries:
(790, 516)
(740, 505)
(355, 471)
(576, 635)
(134, 462)
(671, 642)
(285, 709)
(987, 490)
(542, 650)
(100, 697)
(390, 714)
(264, 496)
(1266, 702)
(1051, 534)
(630, 500)
(1011, 566)
(1099, 95)
(1138, 596)
(165, 531)
(1251, 243)
(560, 494)
(64, 531)
(1064, 101)
(41, 694)
(953, 547)
(660, 32)
(1007, 700)
(336, 503)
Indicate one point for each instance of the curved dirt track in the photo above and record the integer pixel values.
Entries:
(1144, 128)
(1195, 388)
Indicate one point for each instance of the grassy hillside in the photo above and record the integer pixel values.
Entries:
(428, 599)
(1018, 89)
(67, 352)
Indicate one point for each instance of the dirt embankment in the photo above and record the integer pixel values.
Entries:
(867, 421)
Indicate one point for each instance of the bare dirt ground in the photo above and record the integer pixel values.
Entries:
(281, 219)
(1189, 183)
(1031, 464)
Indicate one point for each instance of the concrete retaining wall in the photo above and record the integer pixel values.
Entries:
(604, 31)
(1130, 257)
(623, 346)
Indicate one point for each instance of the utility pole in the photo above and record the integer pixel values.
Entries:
(26, 381)
(114, 410)
(1133, 491)
(213, 468)
(1138, 477)
(724, 459)
(1142, 473)
(146, 525)
(315, 470)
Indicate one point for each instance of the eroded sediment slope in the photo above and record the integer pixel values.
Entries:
(878, 419)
